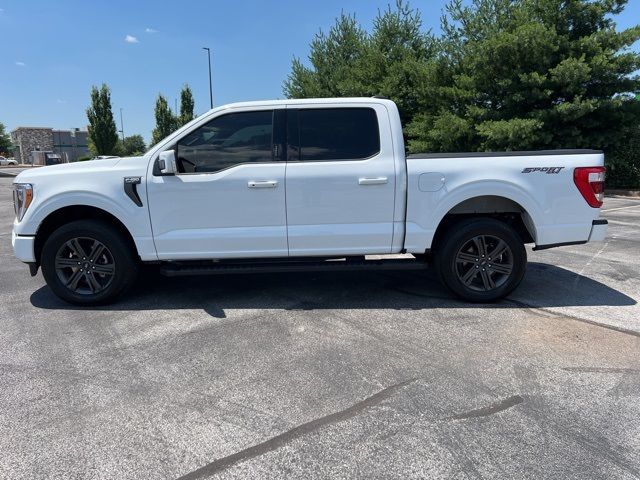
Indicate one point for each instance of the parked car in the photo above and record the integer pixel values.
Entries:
(7, 161)
(302, 185)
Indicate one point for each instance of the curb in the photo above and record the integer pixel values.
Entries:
(622, 193)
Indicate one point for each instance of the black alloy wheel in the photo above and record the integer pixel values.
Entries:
(480, 259)
(85, 266)
(484, 263)
(89, 262)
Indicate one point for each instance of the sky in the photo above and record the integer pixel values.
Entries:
(54, 51)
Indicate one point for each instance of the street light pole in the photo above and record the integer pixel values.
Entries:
(121, 125)
(210, 87)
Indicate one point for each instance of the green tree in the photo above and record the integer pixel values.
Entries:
(132, 145)
(530, 74)
(6, 146)
(186, 105)
(399, 58)
(166, 121)
(103, 135)
(504, 74)
(335, 60)
(393, 60)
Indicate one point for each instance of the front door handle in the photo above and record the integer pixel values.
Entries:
(373, 181)
(262, 184)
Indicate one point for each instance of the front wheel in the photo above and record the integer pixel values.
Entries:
(481, 260)
(87, 262)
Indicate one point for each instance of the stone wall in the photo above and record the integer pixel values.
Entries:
(29, 139)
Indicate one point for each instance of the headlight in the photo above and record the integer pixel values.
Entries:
(22, 196)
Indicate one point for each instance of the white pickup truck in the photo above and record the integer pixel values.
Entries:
(302, 185)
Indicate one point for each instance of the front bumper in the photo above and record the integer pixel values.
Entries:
(598, 231)
(23, 247)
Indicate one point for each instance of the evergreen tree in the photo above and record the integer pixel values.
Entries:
(336, 58)
(392, 60)
(530, 74)
(504, 75)
(399, 57)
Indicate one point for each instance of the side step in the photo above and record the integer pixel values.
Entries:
(177, 269)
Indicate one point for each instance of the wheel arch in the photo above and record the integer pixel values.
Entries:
(70, 213)
(500, 207)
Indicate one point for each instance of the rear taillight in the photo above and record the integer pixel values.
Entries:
(590, 182)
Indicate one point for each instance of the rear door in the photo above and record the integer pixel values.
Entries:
(340, 180)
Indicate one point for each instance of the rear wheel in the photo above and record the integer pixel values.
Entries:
(481, 260)
(88, 263)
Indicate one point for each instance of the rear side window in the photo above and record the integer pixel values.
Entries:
(333, 134)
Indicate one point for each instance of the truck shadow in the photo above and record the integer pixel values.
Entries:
(543, 286)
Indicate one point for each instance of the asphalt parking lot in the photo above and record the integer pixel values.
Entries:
(345, 375)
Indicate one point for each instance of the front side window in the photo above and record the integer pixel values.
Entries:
(337, 134)
(225, 141)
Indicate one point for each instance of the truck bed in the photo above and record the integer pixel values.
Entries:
(538, 185)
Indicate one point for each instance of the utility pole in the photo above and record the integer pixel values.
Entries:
(210, 86)
(121, 125)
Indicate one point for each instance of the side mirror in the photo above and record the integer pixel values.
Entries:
(167, 162)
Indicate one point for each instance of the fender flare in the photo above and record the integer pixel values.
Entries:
(80, 198)
(494, 188)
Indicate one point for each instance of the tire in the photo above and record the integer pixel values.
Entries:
(462, 268)
(88, 262)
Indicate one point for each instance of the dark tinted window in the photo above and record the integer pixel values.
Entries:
(226, 141)
(338, 134)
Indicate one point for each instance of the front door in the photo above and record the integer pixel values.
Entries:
(228, 198)
(340, 181)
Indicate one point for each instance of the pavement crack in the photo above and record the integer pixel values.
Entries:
(283, 439)
(535, 309)
(490, 409)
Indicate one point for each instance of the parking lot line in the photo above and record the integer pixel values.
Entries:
(619, 208)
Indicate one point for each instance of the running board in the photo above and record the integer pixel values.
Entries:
(177, 269)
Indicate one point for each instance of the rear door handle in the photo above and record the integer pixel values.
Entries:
(262, 184)
(372, 181)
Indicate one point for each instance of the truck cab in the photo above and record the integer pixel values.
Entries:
(279, 180)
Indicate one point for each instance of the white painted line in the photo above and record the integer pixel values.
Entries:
(620, 208)
(579, 276)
